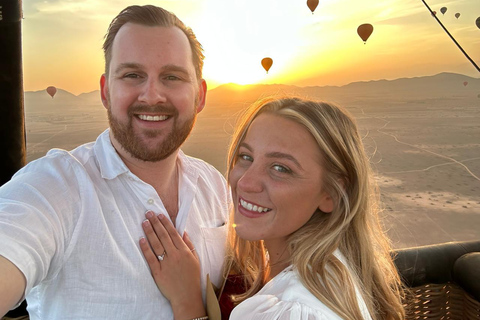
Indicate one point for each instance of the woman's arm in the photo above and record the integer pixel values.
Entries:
(174, 265)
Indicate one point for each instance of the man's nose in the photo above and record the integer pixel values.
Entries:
(153, 92)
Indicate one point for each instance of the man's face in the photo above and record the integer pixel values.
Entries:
(151, 93)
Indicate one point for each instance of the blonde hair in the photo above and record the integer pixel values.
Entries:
(353, 226)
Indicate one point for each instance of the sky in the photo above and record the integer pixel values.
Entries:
(62, 40)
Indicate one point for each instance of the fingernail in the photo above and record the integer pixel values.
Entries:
(161, 216)
(146, 223)
(142, 240)
(149, 214)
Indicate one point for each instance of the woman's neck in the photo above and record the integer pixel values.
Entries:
(279, 257)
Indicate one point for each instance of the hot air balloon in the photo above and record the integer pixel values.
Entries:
(267, 63)
(364, 31)
(51, 91)
(457, 15)
(434, 13)
(478, 22)
(312, 4)
(465, 83)
(443, 10)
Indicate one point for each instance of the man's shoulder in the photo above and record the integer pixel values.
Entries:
(58, 162)
(79, 155)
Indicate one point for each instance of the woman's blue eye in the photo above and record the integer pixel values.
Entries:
(245, 157)
(281, 169)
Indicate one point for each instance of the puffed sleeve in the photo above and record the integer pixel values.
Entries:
(269, 307)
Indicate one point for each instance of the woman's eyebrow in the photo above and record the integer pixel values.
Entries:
(276, 154)
(282, 155)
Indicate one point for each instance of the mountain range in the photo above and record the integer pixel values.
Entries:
(439, 86)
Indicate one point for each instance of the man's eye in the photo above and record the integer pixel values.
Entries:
(172, 78)
(131, 76)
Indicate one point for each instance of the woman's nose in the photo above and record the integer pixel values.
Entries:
(251, 180)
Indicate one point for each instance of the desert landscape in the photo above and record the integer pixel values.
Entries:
(422, 135)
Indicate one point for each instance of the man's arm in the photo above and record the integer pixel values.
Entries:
(12, 285)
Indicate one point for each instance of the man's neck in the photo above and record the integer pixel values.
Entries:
(159, 174)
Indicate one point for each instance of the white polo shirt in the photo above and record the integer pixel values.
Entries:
(71, 222)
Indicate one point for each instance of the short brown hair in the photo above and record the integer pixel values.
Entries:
(149, 15)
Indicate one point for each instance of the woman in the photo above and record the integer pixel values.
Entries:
(305, 233)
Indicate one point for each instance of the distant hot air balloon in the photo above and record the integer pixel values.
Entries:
(465, 83)
(364, 31)
(478, 22)
(312, 4)
(434, 13)
(267, 63)
(51, 91)
(457, 15)
(443, 10)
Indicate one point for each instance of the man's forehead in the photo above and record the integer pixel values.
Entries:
(133, 31)
(131, 36)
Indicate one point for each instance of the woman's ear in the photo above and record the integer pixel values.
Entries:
(326, 203)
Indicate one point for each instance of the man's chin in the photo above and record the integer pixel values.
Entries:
(149, 154)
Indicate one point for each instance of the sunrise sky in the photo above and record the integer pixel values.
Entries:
(62, 40)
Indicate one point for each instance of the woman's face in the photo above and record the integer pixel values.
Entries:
(277, 180)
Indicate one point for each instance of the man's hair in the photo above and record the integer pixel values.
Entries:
(152, 16)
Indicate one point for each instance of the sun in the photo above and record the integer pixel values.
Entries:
(236, 36)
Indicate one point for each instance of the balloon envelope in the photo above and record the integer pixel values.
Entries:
(443, 10)
(457, 15)
(478, 22)
(51, 91)
(364, 31)
(465, 83)
(312, 4)
(267, 63)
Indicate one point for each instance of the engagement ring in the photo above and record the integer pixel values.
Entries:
(162, 256)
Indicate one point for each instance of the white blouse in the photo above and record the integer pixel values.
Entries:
(285, 298)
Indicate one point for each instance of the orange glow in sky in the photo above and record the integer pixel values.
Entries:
(62, 40)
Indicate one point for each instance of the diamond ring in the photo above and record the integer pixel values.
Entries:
(162, 256)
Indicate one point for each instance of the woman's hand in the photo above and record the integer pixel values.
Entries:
(174, 265)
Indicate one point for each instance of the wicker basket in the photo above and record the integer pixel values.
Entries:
(446, 301)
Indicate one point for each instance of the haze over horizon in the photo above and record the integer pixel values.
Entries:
(241, 87)
(62, 40)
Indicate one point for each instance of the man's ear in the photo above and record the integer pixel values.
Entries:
(326, 203)
(202, 95)
(104, 90)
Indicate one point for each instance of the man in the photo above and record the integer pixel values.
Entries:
(70, 222)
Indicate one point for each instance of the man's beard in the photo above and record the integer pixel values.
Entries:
(133, 144)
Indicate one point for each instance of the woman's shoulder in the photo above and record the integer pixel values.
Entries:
(284, 297)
